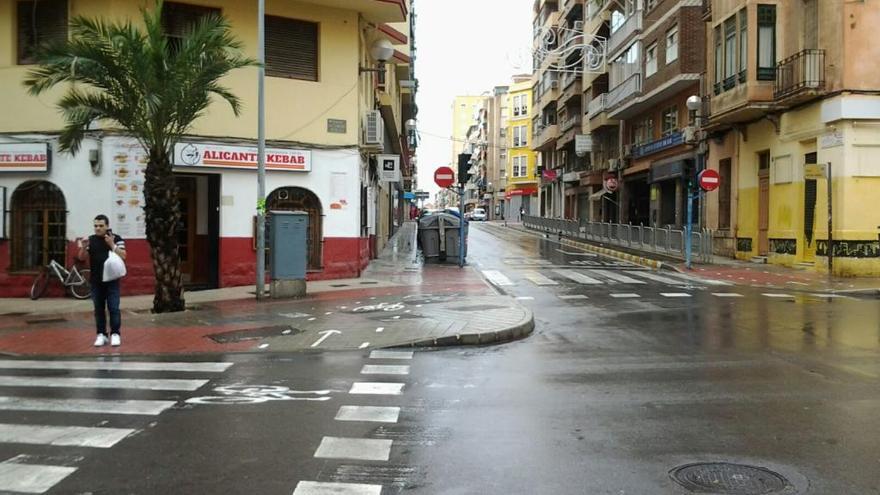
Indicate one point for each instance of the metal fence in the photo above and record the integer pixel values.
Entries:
(668, 241)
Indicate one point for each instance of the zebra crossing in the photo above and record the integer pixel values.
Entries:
(28, 473)
(375, 450)
(596, 277)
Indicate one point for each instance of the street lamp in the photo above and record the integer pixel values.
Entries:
(694, 105)
(381, 50)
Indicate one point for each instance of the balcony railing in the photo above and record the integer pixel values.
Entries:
(597, 105)
(631, 26)
(803, 71)
(570, 123)
(624, 90)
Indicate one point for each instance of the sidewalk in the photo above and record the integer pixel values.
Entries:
(731, 270)
(398, 302)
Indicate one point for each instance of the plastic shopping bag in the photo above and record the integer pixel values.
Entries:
(114, 267)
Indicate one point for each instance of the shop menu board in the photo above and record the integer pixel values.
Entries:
(129, 164)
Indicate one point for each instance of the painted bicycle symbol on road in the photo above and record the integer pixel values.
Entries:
(257, 394)
(372, 308)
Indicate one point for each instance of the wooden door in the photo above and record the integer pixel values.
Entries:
(763, 213)
(186, 228)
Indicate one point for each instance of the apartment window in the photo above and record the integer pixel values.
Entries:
(651, 60)
(523, 139)
(39, 225)
(516, 106)
(519, 166)
(178, 20)
(670, 120)
(743, 44)
(719, 61)
(724, 191)
(617, 20)
(524, 109)
(502, 172)
(644, 131)
(291, 48)
(767, 42)
(503, 132)
(729, 52)
(672, 45)
(39, 22)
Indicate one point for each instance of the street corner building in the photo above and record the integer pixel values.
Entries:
(340, 93)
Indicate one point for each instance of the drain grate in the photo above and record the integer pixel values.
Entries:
(724, 477)
(253, 334)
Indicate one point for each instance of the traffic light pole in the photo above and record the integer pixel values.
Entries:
(461, 239)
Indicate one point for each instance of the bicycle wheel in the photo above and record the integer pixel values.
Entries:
(41, 282)
(83, 289)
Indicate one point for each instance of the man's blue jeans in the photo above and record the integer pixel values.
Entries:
(105, 295)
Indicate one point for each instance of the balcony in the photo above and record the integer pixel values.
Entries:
(800, 77)
(376, 11)
(571, 7)
(624, 91)
(668, 141)
(571, 84)
(569, 129)
(597, 105)
(631, 26)
(549, 96)
(546, 135)
(572, 122)
(596, 7)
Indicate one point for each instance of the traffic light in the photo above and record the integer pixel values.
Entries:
(464, 165)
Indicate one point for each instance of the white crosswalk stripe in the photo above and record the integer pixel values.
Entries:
(540, 280)
(624, 296)
(497, 278)
(320, 488)
(38, 474)
(726, 294)
(578, 277)
(675, 294)
(617, 277)
(690, 279)
(656, 278)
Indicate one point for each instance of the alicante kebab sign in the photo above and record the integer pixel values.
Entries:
(240, 157)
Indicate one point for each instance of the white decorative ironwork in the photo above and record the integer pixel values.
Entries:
(566, 50)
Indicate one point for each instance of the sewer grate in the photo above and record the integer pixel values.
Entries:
(253, 334)
(724, 478)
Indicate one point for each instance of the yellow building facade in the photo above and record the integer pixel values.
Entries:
(780, 115)
(336, 108)
(522, 184)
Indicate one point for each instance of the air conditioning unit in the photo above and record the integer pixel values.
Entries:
(579, 26)
(613, 164)
(374, 129)
(690, 134)
(554, 84)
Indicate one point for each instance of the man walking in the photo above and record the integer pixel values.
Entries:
(105, 295)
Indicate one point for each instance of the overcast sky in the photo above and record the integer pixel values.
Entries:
(464, 47)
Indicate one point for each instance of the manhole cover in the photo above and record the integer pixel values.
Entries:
(723, 477)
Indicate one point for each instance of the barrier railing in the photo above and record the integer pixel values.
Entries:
(665, 241)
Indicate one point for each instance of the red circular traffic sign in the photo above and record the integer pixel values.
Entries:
(709, 180)
(611, 183)
(444, 176)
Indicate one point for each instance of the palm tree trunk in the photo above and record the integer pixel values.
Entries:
(162, 212)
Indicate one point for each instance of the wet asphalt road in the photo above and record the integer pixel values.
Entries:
(621, 382)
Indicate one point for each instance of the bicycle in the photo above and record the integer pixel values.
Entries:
(75, 280)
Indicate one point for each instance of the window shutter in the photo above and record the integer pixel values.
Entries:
(291, 48)
(39, 22)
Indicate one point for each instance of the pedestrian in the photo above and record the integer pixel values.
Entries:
(522, 213)
(105, 295)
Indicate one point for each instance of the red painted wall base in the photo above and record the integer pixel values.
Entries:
(344, 257)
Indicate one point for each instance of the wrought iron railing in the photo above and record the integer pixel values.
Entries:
(803, 71)
(665, 241)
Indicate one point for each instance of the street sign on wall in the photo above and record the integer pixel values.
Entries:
(389, 168)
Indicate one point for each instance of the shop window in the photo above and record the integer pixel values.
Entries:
(39, 22)
(179, 18)
(39, 225)
(291, 48)
(724, 193)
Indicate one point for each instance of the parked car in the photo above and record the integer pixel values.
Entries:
(478, 215)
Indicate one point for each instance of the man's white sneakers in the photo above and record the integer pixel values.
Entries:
(101, 340)
(115, 340)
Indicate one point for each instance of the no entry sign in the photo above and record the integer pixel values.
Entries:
(444, 176)
(709, 180)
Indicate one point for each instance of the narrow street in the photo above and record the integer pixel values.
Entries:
(629, 374)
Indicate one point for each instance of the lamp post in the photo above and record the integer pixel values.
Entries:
(261, 148)
(694, 104)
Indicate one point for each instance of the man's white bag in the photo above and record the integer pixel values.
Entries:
(114, 267)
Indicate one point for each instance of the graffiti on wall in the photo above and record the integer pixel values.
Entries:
(850, 249)
(783, 246)
(744, 244)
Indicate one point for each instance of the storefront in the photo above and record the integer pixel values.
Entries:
(53, 197)
(517, 197)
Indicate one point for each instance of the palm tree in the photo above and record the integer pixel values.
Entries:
(137, 78)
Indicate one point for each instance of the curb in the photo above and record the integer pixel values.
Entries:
(509, 334)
